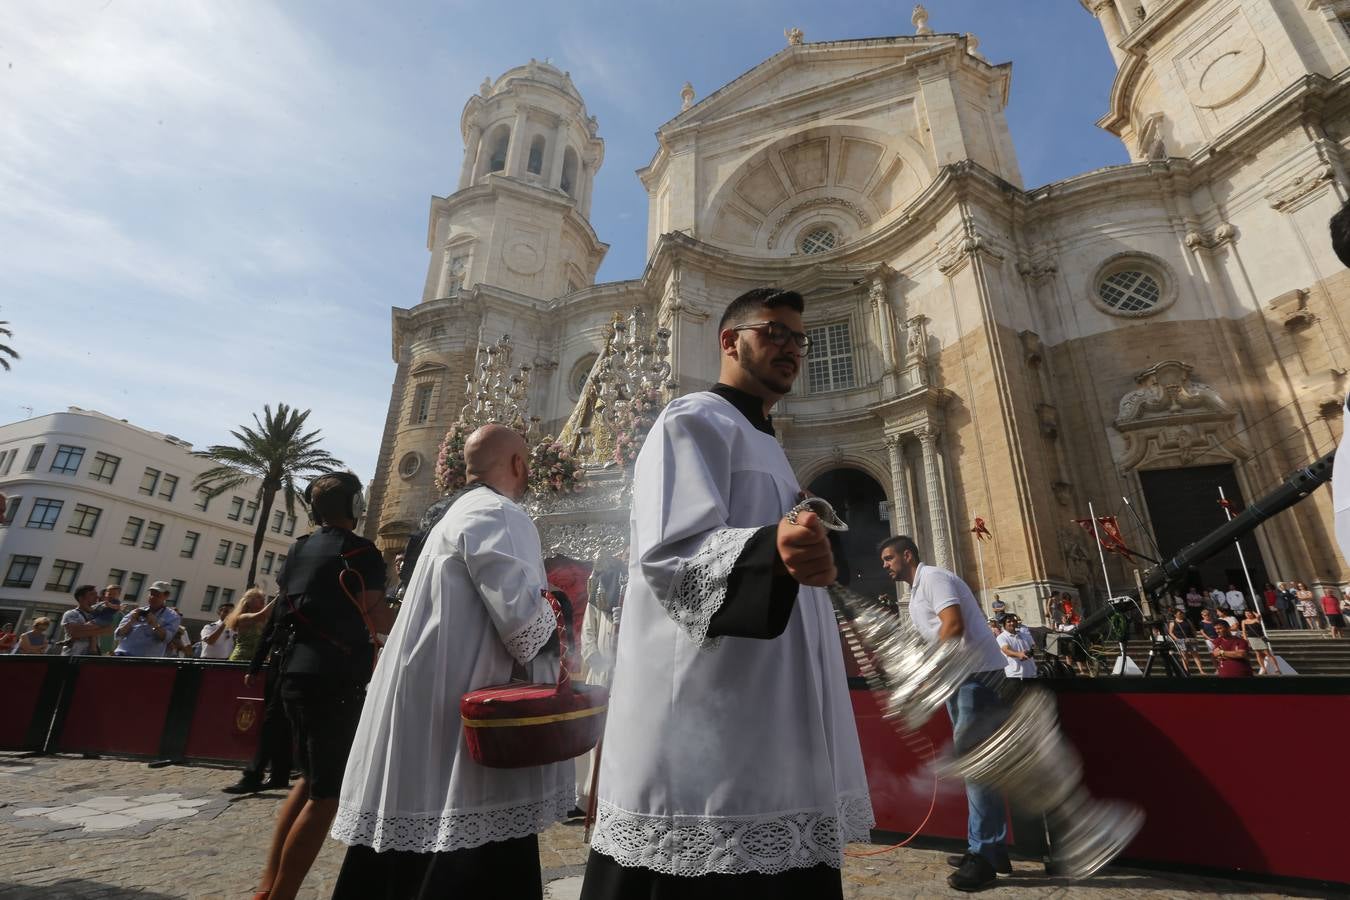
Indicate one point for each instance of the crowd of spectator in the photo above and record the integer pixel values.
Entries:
(100, 623)
(1283, 605)
(1212, 630)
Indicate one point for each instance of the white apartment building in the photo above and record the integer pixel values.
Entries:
(96, 500)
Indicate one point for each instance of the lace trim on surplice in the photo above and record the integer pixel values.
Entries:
(438, 832)
(703, 845)
(525, 643)
(699, 587)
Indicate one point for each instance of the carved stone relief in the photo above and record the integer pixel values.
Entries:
(522, 252)
(1287, 196)
(1173, 419)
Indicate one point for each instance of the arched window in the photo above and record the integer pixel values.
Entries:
(497, 146)
(535, 165)
(569, 173)
(819, 240)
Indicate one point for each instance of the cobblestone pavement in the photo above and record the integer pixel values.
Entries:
(104, 829)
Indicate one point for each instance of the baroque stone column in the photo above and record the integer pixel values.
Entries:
(902, 522)
(1109, 16)
(936, 487)
(471, 151)
(516, 149)
(559, 150)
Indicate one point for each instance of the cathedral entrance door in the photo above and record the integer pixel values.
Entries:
(858, 499)
(1183, 505)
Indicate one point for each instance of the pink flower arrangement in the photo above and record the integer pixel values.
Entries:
(450, 474)
(640, 417)
(554, 470)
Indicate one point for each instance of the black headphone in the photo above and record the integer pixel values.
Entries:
(356, 498)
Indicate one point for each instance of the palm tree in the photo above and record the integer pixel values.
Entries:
(6, 351)
(276, 453)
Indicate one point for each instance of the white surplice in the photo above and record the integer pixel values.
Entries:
(473, 607)
(731, 755)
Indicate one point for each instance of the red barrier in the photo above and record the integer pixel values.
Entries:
(117, 706)
(900, 779)
(1237, 777)
(23, 677)
(227, 715)
(1249, 783)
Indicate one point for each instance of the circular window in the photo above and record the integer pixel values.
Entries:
(1130, 291)
(819, 239)
(1132, 285)
(409, 465)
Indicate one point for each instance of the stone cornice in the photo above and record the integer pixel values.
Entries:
(488, 190)
(601, 297)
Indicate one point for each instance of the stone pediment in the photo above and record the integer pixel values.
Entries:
(802, 71)
(1173, 420)
(1167, 391)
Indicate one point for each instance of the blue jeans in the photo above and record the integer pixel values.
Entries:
(976, 712)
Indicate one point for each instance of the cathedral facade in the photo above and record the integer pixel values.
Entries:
(1135, 338)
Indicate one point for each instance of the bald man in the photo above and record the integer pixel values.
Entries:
(421, 818)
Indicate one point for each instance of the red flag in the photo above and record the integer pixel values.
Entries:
(1112, 539)
(1107, 533)
(981, 531)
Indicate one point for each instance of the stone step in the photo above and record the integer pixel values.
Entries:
(1310, 653)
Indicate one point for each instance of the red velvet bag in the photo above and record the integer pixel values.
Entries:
(511, 726)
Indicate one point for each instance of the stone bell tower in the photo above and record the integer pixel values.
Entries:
(515, 232)
(1191, 72)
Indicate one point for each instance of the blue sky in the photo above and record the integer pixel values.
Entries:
(207, 206)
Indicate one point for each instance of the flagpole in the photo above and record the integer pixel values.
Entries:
(1257, 605)
(979, 558)
(1101, 554)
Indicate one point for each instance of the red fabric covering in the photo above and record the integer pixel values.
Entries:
(499, 733)
(571, 577)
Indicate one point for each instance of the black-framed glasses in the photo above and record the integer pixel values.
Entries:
(779, 334)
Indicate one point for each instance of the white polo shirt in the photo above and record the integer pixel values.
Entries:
(223, 646)
(937, 589)
(1017, 668)
(1236, 600)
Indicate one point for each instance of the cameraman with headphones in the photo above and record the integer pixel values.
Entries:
(330, 607)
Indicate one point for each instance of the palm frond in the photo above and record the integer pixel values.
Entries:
(274, 450)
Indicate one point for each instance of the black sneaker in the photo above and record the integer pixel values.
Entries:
(975, 874)
(244, 786)
(273, 784)
(1004, 866)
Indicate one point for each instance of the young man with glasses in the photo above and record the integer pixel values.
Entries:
(730, 717)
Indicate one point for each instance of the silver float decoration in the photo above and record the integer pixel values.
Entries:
(495, 394)
(1027, 758)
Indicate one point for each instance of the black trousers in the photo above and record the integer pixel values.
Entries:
(274, 741)
(503, 870)
(607, 880)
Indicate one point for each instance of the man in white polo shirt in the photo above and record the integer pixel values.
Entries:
(943, 609)
(217, 637)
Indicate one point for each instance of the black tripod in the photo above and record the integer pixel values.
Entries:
(1160, 647)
